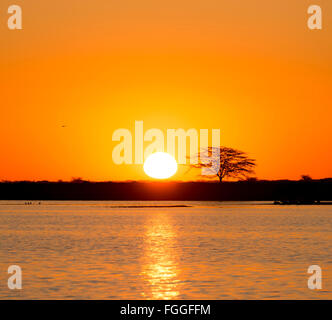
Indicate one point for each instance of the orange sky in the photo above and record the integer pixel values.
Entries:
(250, 68)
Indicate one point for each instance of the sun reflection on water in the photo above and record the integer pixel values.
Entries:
(160, 261)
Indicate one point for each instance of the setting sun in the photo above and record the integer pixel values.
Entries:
(155, 152)
(160, 165)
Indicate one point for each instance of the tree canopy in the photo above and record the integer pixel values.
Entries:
(232, 163)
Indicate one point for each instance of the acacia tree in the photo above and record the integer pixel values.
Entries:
(232, 163)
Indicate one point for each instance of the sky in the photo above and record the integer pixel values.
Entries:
(249, 68)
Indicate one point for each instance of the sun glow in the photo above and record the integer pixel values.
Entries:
(160, 165)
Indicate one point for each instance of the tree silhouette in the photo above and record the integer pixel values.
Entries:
(305, 177)
(232, 163)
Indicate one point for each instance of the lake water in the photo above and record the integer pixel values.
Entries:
(119, 250)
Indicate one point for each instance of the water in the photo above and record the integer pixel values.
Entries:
(210, 250)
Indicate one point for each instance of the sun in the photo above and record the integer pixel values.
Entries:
(160, 165)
